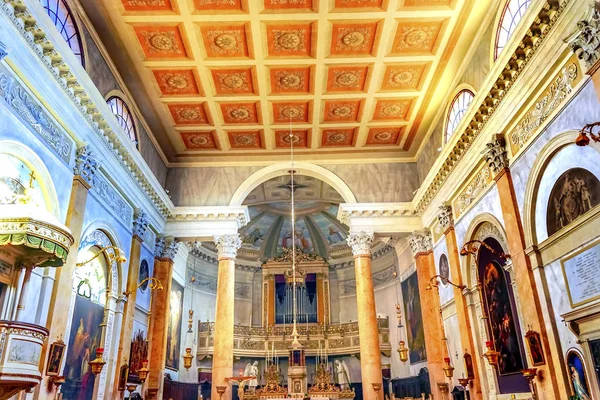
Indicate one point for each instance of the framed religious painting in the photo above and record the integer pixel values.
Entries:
(469, 366)
(55, 357)
(123, 375)
(534, 345)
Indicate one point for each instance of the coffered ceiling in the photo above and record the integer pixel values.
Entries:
(226, 77)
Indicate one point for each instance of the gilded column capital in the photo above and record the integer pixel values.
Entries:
(361, 243)
(140, 223)
(495, 154)
(166, 247)
(86, 164)
(445, 217)
(227, 246)
(420, 242)
(585, 42)
(3, 50)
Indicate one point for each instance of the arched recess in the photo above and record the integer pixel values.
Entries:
(301, 168)
(588, 157)
(35, 164)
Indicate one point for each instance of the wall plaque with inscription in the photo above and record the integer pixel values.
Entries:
(582, 275)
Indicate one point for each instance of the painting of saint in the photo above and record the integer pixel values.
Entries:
(444, 269)
(174, 328)
(575, 192)
(501, 319)
(414, 319)
(144, 273)
(334, 235)
(578, 377)
(84, 338)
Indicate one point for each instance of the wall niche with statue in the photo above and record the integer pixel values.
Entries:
(574, 193)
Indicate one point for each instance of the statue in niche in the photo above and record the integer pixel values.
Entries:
(575, 192)
(342, 374)
(252, 370)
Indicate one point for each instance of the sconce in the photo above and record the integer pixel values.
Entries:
(469, 248)
(153, 284)
(448, 369)
(187, 358)
(491, 355)
(583, 140)
(402, 351)
(97, 364)
(143, 372)
(433, 282)
(116, 255)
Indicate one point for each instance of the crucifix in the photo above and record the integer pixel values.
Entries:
(31, 179)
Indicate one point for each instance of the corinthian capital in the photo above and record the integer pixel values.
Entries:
(445, 217)
(140, 223)
(166, 247)
(420, 242)
(227, 246)
(495, 155)
(585, 42)
(86, 164)
(361, 243)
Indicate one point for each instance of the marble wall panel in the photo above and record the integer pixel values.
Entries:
(430, 151)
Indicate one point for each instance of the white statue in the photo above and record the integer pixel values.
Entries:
(342, 374)
(252, 370)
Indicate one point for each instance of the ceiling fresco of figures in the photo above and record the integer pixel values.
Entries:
(227, 77)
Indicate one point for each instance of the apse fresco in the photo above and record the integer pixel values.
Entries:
(335, 236)
(303, 239)
(256, 233)
(575, 192)
(501, 319)
(174, 328)
(84, 338)
(414, 319)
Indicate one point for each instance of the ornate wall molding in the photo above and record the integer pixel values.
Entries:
(532, 40)
(25, 105)
(473, 190)
(114, 142)
(112, 199)
(549, 101)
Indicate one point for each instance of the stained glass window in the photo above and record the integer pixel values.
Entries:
(124, 117)
(62, 17)
(511, 15)
(458, 108)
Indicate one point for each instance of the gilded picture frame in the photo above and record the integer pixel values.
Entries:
(534, 347)
(55, 358)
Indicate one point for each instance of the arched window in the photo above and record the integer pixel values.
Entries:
(62, 17)
(124, 117)
(90, 279)
(458, 108)
(511, 15)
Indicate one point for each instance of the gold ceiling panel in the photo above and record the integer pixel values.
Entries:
(226, 77)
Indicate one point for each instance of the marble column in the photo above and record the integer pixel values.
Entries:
(222, 365)
(368, 332)
(85, 170)
(446, 221)
(164, 254)
(421, 246)
(140, 224)
(553, 382)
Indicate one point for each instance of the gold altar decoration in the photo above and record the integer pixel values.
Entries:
(323, 387)
(272, 388)
(241, 380)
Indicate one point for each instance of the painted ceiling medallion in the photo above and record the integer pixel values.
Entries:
(353, 39)
(299, 138)
(177, 82)
(199, 140)
(426, 3)
(225, 41)
(387, 110)
(402, 77)
(383, 136)
(230, 81)
(217, 5)
(290, 80)
(239, 113)
(245, 139)
(416, 37)
(346, 111)
(288, 4)
(346, 79)
(297, 112)
(358, 4)
(161, 41)
(188, 114)
(337, 137)
(147, 5)
(289, 40)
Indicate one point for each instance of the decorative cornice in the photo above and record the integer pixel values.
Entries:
(360, 243)
(86, 164)
(532, 40)
(474, 188)
(227, 246)
(33, 33)
(586, 41)
(445, 218)
(496, 155)
(376, 210)
(420, 242)
(166, 247)
(195, 214)
(140, 223)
